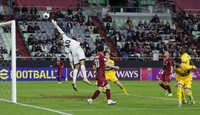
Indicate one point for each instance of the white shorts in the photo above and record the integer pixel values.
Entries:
(78, 54)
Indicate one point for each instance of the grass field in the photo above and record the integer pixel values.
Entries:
(50, 98)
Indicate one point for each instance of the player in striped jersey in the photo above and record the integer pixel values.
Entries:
(110, 73)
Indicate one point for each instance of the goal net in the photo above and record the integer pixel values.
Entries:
(8, 61)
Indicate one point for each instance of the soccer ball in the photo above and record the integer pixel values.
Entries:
(46, 15)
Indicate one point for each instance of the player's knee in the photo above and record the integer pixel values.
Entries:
(187, 91)
(77, 66)
(166, 83)
(75, 70)
(107, 86)
(116, 82)
(100, 89)
(82, 62)
(180, 86)
(160, 82)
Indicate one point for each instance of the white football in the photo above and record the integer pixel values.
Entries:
(46, 15)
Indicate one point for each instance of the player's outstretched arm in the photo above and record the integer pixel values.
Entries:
(190, 67)
(57, 27)
(112, 66)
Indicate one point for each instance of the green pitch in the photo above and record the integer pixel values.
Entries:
(50, 98)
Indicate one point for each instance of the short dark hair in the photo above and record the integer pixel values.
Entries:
(177, 60)
(100, 48)
(106, 52)
(184, 49)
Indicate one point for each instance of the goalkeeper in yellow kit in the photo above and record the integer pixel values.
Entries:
(183, 79)
(186, 59)
(110, 73)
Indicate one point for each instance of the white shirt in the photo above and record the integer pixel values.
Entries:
(70, 44)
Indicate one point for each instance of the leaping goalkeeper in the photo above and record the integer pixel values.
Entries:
(78, 55)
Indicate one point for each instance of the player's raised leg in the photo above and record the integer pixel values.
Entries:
(81, 58)
(83, 70)
(75, 72)
(121, 87)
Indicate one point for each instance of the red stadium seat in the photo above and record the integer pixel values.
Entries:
(61, 3)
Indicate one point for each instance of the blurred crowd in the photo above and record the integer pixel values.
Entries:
(46, 47)
(145, 41)
(149, 40)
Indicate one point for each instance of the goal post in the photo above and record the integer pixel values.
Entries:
(13, 61)
(12, 72)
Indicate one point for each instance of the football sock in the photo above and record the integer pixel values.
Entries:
(163, 86)
(58, 78)
(75, 72)
(124, 90)
(183, 94)
(83, 70)
(108, 94)
(95, 95)
(168, 88)
(179, 93)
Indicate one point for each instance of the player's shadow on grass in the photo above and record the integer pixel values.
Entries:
(76, 97)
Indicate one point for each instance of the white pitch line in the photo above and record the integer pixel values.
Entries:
(38, 107)
(138, 109)
(132, 109)
(141, 96)
(153, 97)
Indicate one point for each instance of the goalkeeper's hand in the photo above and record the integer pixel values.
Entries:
(56, 25)
(54, 22)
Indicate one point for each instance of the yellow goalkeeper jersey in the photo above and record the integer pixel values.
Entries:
(109, 69)
(185, 59)
(110, 73)
(184, 71)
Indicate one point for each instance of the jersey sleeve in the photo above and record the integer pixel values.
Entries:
(112, 62)
(189, 67)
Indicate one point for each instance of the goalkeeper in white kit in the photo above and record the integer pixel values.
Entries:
(78, 55)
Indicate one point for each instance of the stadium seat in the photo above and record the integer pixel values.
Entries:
(93, 36)
(30, 47)
(196, 34)
(26, 35)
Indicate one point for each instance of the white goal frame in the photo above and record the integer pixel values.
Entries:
(13, 58)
